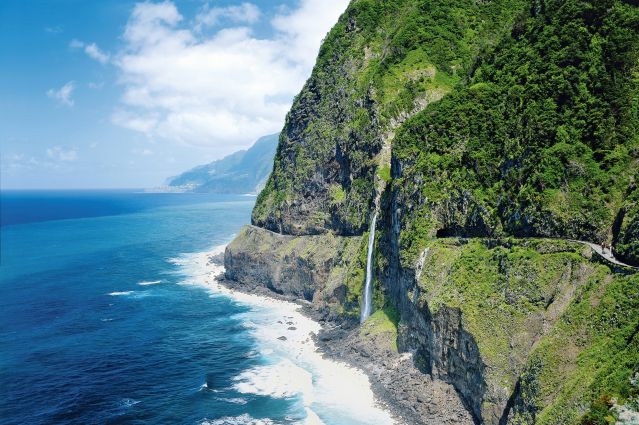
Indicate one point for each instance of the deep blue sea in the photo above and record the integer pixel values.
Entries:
(106, 318)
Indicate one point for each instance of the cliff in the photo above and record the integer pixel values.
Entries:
(489, 136)
(381, 63)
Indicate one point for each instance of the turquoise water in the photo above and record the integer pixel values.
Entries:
(104, 319)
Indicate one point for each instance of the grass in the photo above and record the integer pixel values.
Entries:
(513, 292)
(382, 322)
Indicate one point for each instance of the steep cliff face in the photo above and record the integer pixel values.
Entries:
(374, 71)
(539, 141)
(488, 134)
(381, 63)
(486, 315)
(314, 268)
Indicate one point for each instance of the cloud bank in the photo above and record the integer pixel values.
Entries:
(210, 81)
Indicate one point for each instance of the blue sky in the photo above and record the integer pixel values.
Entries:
(115, 93)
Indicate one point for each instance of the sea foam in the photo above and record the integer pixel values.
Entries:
(120, 293)
(244, 419)
(330, 392)
(281, 380)
(149, 282)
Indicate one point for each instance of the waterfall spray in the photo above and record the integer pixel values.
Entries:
(367, 301)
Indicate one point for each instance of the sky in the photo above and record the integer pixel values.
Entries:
(124, 94)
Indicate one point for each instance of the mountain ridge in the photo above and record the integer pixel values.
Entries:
(244, 171)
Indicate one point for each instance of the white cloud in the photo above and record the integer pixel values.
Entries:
(302, 29)
(56, 158)
(59, 153)
(138, 122)
(94, 52)
(91, 49)
(245, 13)
(221, 90)
(13, 162)
(63, 94)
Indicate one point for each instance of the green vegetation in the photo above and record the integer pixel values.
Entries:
(542, 139)
(539, 140)
(337, 194)
(591, 354)
(499, 290)
(383, 61)
(382, 322)
(514, 119)
(627, 240)
(384, 173)
(513, 292)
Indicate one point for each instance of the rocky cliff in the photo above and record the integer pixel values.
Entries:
(488, 135)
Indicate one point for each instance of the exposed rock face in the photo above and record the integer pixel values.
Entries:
(476, 313)
(324, 164)
(447, 352)
(415, 396)
(440, 345)
(374, 71)
(313, 268)
(475, 317)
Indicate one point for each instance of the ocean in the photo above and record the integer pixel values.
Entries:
(109, 315)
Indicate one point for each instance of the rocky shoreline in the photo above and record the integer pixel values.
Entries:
(409, 393)
(411, 396)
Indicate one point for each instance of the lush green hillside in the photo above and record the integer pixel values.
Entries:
(541, 141)
(626, 228)
(244, 171)
(554, 329)
(382, 62)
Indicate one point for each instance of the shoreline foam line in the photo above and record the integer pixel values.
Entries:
(327, 389)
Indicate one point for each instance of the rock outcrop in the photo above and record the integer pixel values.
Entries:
(312, 268)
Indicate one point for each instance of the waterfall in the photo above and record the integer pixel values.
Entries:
(367, 301)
